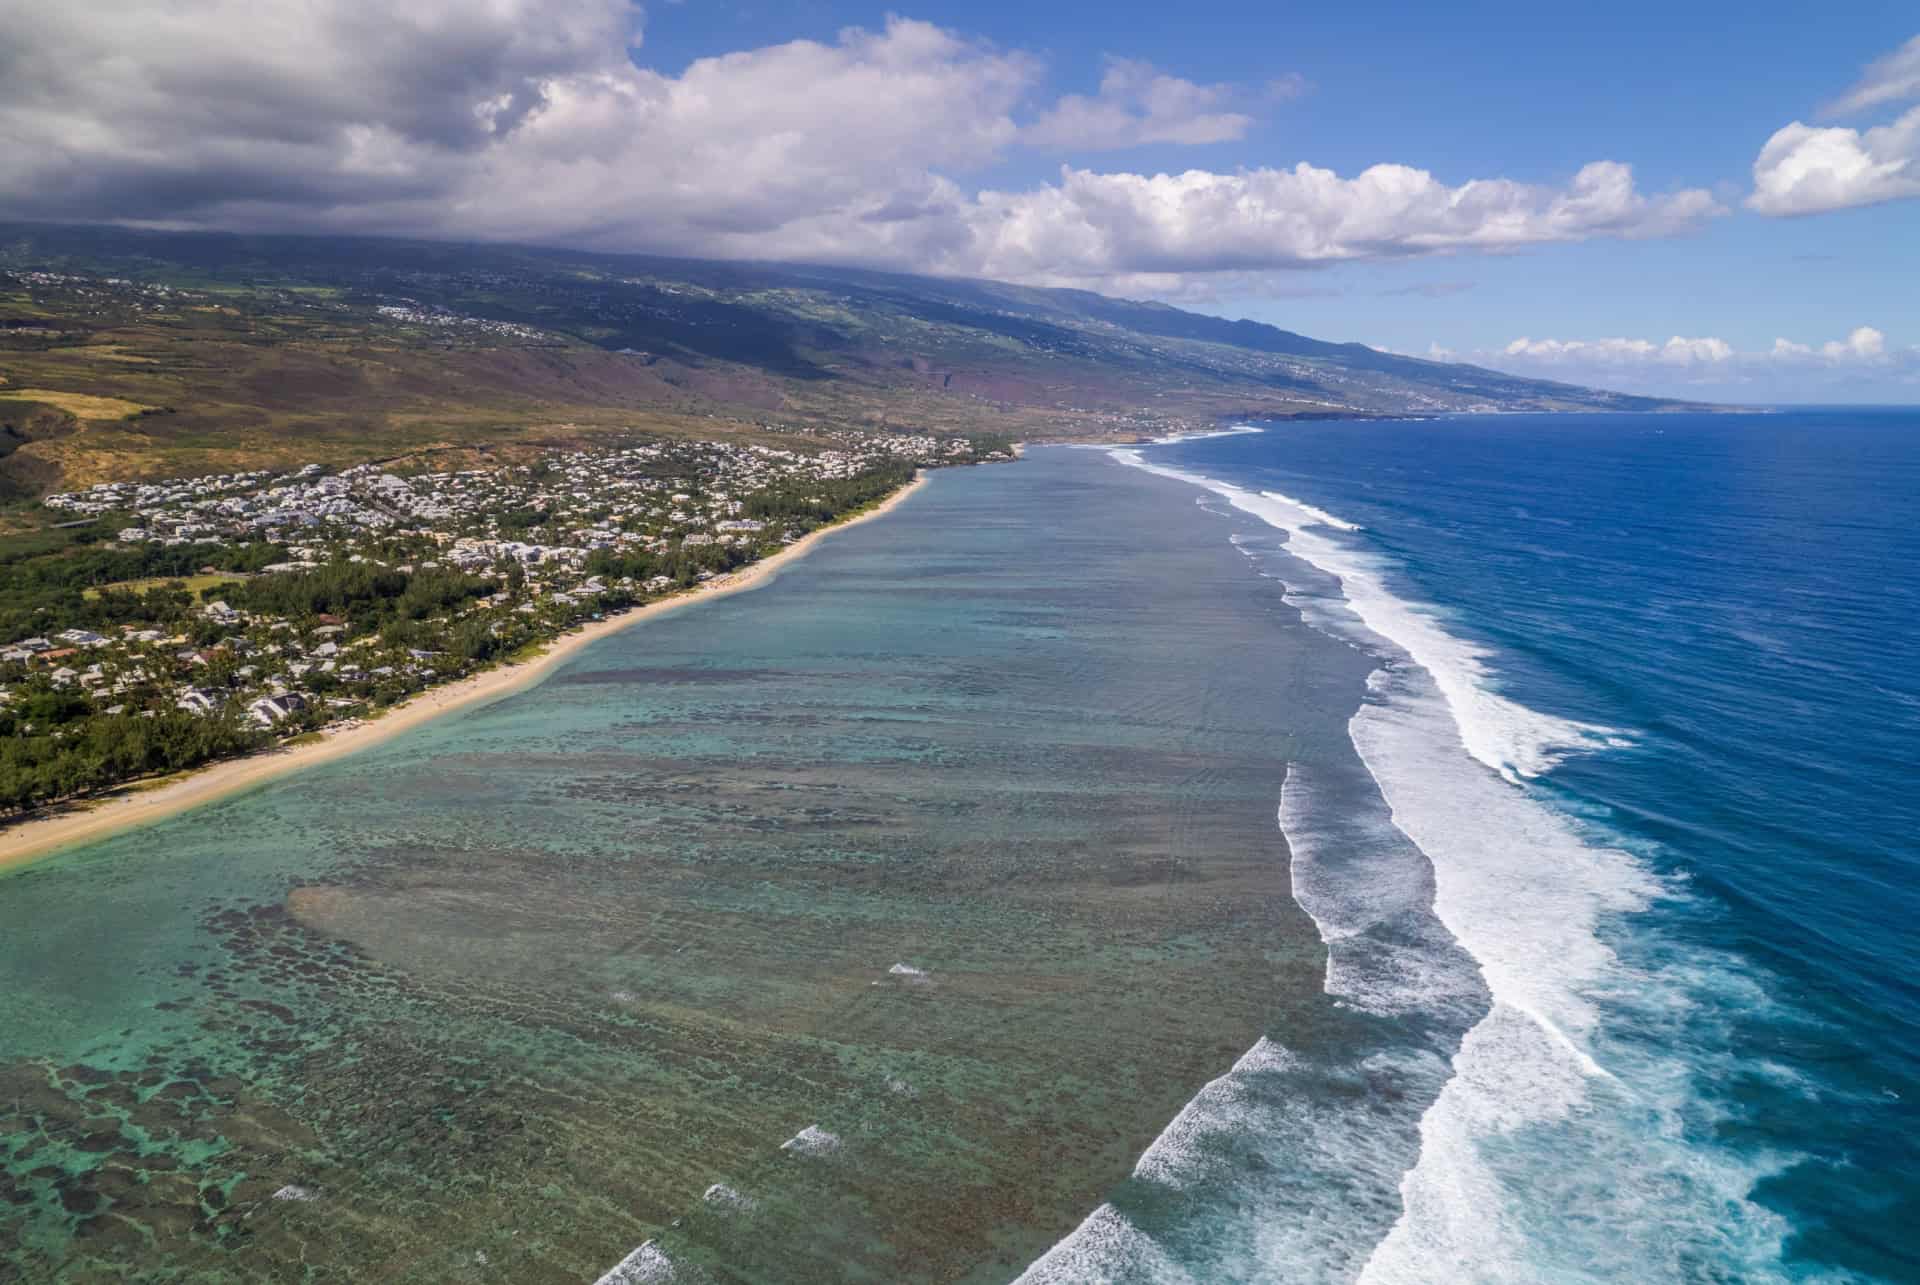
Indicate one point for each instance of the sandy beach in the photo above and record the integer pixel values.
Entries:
(141, 804)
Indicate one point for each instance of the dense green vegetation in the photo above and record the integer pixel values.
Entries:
(364, 596)
(811, 503)
(91, 753)
(42, 590)
(59, 742)
(682, 566)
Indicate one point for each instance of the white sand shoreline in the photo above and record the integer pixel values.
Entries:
(37, 837)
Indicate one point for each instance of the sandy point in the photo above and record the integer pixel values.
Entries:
(43, 834)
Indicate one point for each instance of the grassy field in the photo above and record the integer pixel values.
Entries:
(105, 352)
(97, 385)
(79, 405)
(192, 584)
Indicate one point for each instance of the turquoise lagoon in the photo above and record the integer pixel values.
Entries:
(873, 925)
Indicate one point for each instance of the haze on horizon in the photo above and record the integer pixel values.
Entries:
(1722, 204)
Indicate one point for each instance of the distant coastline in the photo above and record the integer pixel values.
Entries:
(86, 821)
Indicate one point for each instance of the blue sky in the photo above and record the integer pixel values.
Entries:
(1686, 94)
(1705, 199)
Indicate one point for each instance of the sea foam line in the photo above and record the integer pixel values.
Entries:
(1508, 737)
(1319, 515)
(1367, 889)
(1524, 893)
(1106, 1244)
(647, 1265)
(1238, 430)
(1514, 885)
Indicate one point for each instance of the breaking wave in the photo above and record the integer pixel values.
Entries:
(1474, 907)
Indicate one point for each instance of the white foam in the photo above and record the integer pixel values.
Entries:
(1508, 737)
(812, 1141)
(1238, 430)
(1105, 1240)
(1366, 888)
(1334, 1160)
(1523, 894)
(1319, 515)
(724, 1197)
(1171, 1154)
(1356, 876)
(1517, 888)
(1522, 891)
(1105, 1247)
(646, 1265)
(1456, 1224)
(1514, 883)
(1351, 875)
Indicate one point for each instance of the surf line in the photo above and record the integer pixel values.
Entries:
(1485, 838)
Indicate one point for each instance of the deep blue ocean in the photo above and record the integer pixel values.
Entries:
(1682, 656)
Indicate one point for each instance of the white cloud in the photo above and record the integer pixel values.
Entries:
(1863, 346)
(1688, 351)
(1807, 169)
(1892, 79)
(529, 120)
(1677, 351)
(1091, 225)
(454, 122)
(1137, 104)
(1862, 366)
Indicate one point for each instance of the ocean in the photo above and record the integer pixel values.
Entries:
(1648, 704)
(1465, 850)
(867, 926)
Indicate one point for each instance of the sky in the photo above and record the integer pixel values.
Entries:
(1708, 200)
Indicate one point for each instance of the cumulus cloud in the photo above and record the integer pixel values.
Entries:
(449, 119)
(1807, 169)
(1677, 351)
(533, 120)
(1862, 365)
(1137, 104)
(1095, 225)
(1864, 346)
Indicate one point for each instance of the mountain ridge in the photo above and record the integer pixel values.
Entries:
(244, 348)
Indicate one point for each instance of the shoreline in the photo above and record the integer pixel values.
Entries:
(132, 806)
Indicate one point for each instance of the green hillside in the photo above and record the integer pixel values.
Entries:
(133, 354)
